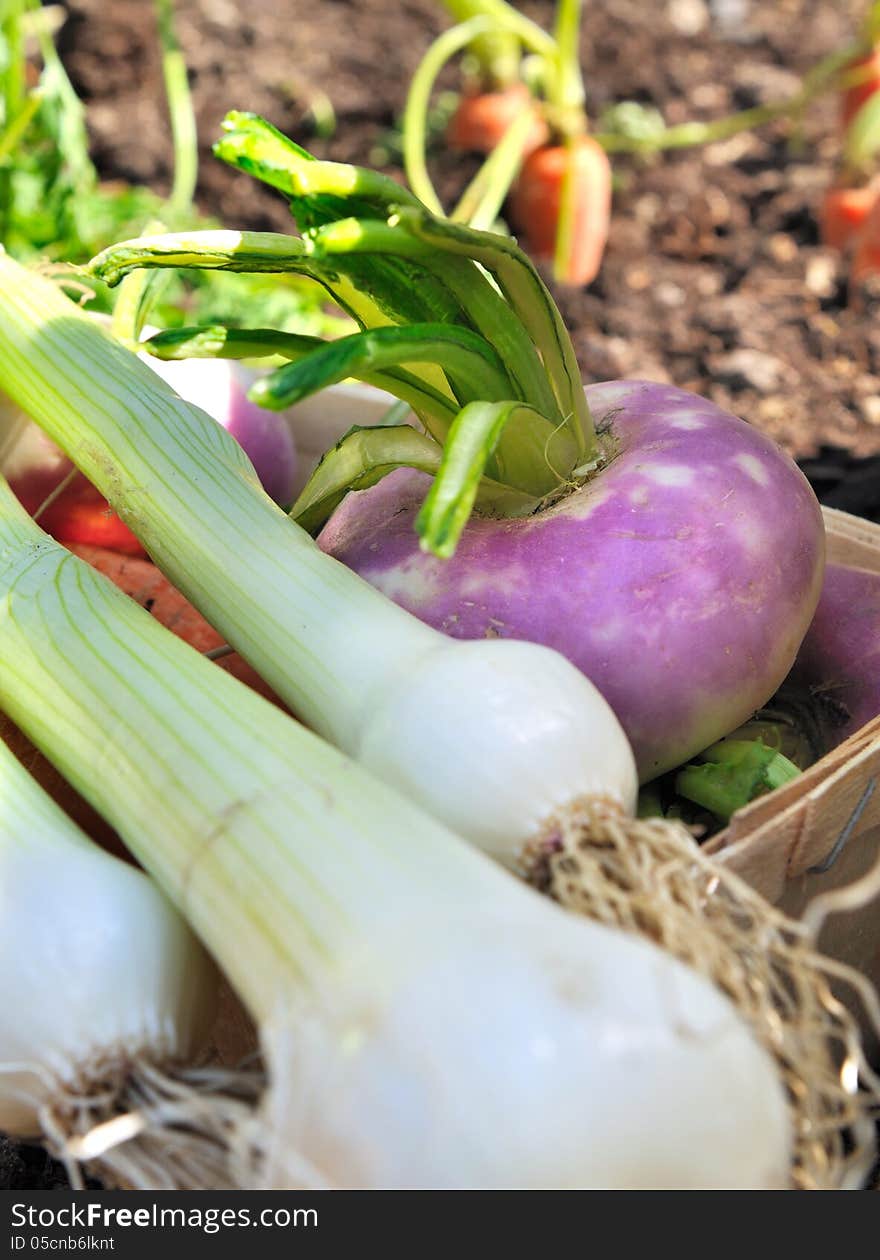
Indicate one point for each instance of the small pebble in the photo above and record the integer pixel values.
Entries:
(820, 275)
(870, 409)
(688, 16)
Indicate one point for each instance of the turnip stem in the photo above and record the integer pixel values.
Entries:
(528, 296)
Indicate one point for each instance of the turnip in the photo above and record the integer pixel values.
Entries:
(681, 578)
(838, 664)
(497, 739)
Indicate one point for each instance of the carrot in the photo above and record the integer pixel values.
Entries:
(482, 118)
(80, 514)
(866, 73)
(843, 213)
(537, 198)
(866, 259)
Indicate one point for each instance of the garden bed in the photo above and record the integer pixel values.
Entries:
(714, 277)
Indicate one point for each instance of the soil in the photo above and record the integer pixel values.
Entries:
(714, 277)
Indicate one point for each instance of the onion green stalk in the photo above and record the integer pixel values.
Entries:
(497, 738)
(104, 990)
(428, 1020)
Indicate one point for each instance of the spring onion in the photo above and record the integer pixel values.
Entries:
(104, 990)
(428, 1019)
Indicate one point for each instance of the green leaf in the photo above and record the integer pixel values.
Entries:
(487, 310)
(322, 192)
(863, 134)
(734, 772)
(222, 250)
(470, 445)
(216, 248)
(215, 341)
(358, 460)
(319, 192)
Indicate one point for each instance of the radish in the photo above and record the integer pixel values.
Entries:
(864, 73)
(494, 34)
(560, 199)
(843, 213)
(866, 257)
(482, 118)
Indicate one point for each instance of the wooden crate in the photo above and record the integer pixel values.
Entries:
(822, 830)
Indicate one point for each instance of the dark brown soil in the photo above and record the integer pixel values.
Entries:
(713, 279)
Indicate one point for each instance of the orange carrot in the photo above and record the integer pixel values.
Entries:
(866, 259)
(78, 515)
(482, 118)
(537, 197)
(866, 71)
(843, 213)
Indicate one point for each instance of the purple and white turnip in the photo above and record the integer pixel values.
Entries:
(837, 670)
(680, 578)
